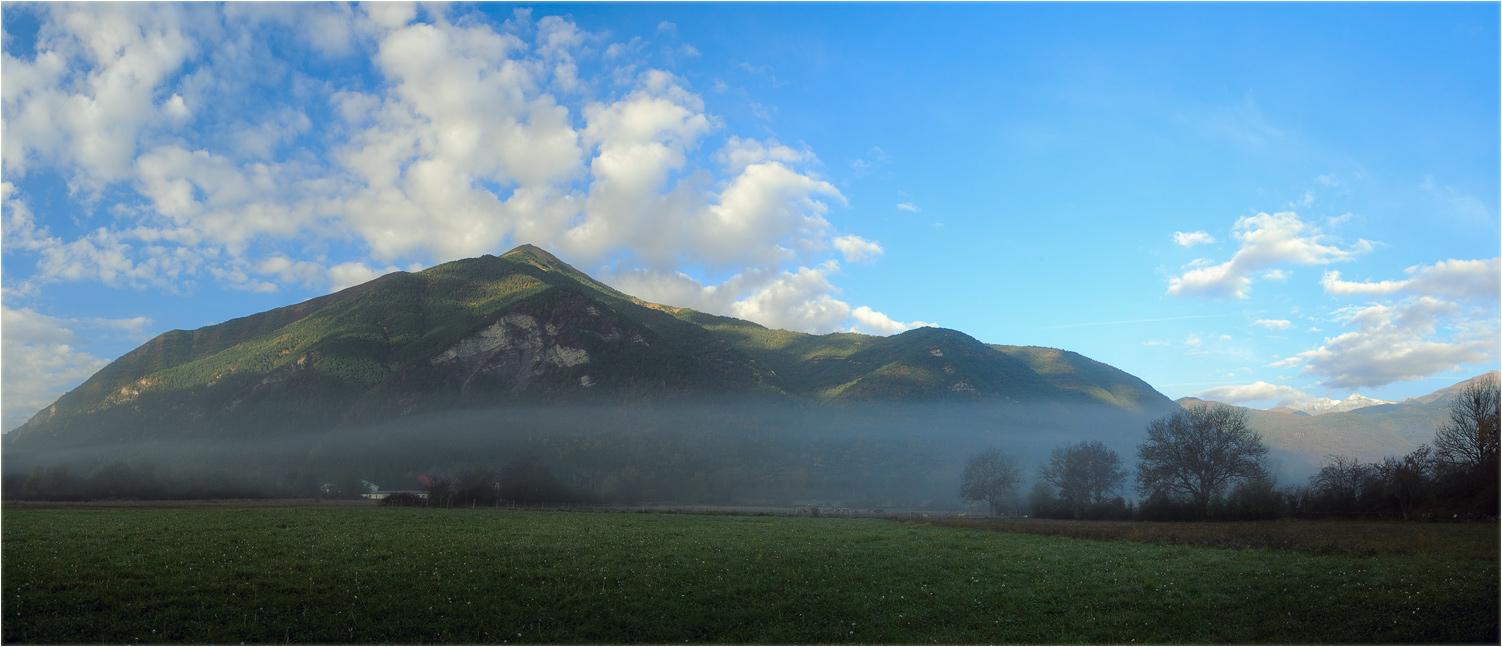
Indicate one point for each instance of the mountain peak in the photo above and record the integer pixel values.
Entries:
(529, 253)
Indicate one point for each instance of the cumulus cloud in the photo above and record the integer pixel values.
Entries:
(1475, 280)
(908, 207)
(798, 300)
(1191, 239)
(877, 322)
(1266, 240)
(1254, 392)
(1401, 342)
(476, 137)
(738, 153)
(81, 103)
(1446, 318)
(41, 358)
(857, 249)
(801, 299)
(1273, 324)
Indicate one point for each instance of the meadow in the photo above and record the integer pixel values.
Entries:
(365, 575)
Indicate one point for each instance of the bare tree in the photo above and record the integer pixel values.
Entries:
(1085, 473)
(1341, 483)
(1198, 453)
(1469, 437)
(990, 477)
(1410, 480)
(1342, 477)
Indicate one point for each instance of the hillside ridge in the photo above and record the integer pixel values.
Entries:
(526, 327)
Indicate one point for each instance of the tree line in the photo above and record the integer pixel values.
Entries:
(524, 481)
(1206, 463)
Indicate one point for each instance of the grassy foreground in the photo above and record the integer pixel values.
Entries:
(381, 575)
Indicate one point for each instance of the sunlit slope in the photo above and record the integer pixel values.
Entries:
(1101, 382)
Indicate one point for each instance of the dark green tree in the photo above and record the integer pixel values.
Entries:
(990, 477)
(1085, 473)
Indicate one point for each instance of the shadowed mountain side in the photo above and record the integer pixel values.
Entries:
(489, 357)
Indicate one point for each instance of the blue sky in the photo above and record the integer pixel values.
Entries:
(1257, 203)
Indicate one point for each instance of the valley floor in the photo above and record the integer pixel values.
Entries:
(367, 575)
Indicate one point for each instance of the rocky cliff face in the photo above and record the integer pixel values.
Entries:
(517, 348)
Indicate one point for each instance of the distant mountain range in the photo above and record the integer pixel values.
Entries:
(1369, 432)
(1326, 405)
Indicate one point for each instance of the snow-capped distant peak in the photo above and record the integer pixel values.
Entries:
(1326, 405)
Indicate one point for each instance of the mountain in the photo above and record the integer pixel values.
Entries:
(527, 328)
(1445, 393)
(1326, 405)
(524, 327)
(1368, 433)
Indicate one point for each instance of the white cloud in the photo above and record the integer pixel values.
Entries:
(1273, 324)
(130, 258)
(287, 270)
(876, 322)
(1401, 342)
(908, 207)
(1156, 343)
(476, 137)
(238, 203)
(1477, 280)
(801, 300)
(1254, 392)
(857, 249)
(798, 300)
(177, 109)
(1275, 275)
(1193, 341)
(1192, 238)
(738, 153)
(40, 358)
(1266, 240)
(768, 202)
(80, 104)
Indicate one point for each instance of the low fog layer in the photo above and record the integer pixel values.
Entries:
(727, 453)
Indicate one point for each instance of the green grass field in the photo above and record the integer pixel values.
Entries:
(383, 575)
